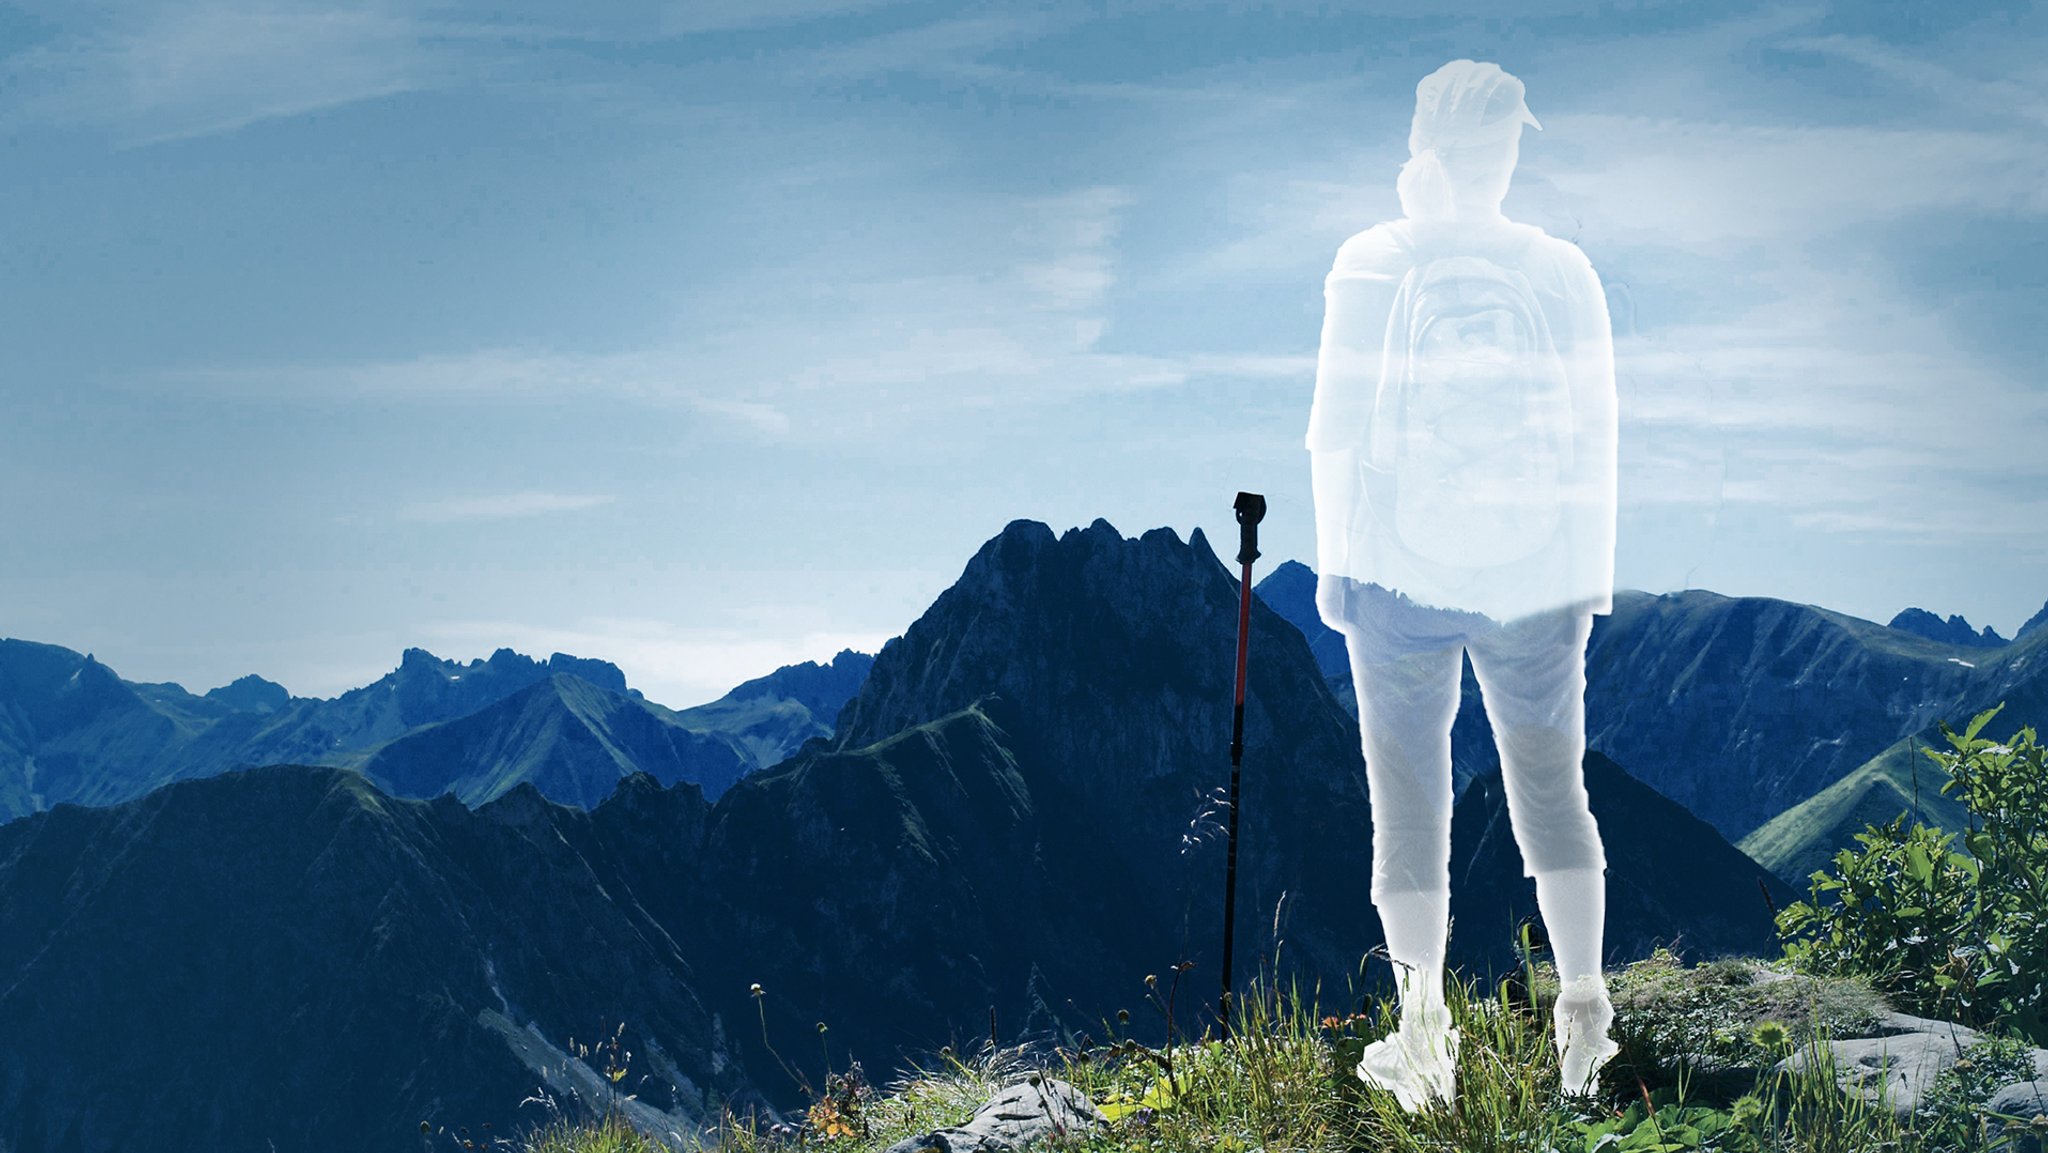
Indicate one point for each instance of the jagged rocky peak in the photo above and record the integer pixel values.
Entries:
(1061, 622)
(251, 694)
(2034, 622)
(1955, 630)
(514, 667)
(417, 662)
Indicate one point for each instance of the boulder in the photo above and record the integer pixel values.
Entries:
(2028, 1101)
(1901, 1060)
(1012, 1119)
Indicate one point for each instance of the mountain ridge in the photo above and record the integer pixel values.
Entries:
(73, 730)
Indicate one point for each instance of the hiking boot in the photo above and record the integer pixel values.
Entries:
(1417, 1062)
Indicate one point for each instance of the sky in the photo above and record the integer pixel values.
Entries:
(711, 336)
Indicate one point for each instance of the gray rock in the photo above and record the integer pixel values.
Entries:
(2027, 1100)
(1020, 1114)
(1902, 1061)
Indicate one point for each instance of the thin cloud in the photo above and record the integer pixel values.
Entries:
(1018, 320)
(1998, 96)
(691, 17)
(200, 71)
(942, 46)
(500, 506)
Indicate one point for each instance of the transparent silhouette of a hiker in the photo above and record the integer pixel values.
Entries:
(1462, 442)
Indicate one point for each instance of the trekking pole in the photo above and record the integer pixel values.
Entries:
(1251, 509)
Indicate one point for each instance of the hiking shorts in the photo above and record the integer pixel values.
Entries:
(1406, 666)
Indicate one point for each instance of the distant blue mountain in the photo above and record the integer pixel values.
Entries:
(773, 715)
(71, 730)
(1955, 630)
(252, 694)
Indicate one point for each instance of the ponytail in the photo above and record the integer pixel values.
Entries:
(1424, 187)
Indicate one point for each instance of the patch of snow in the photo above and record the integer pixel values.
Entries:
(1962, 662)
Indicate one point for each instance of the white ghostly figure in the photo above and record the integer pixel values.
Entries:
(1462, 442)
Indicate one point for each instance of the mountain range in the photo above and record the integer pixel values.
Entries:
(1016, 813)
(71, 730)
(1806, 717)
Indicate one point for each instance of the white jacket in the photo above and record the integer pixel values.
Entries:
(1577, 566)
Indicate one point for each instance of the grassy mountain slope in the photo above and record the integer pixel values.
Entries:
(1806, 836)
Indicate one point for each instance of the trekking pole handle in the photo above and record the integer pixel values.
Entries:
(1251, 509)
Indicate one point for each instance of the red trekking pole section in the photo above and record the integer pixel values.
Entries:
(1251, 509)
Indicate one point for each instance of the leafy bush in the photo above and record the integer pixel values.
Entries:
(1958, 935)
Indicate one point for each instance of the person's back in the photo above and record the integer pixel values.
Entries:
(1452, 193)
(1462, 442)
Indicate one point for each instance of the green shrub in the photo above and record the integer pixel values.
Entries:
(1958, 935)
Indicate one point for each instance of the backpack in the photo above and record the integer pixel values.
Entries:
(1471, 428)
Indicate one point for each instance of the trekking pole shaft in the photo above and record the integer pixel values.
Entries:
(1244, 617)
(1251, 509)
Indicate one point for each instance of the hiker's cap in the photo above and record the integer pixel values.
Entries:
(1467, 102)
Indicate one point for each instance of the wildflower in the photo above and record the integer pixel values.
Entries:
(1770, 1034)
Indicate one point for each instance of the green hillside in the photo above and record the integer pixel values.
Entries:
(1806, 836)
